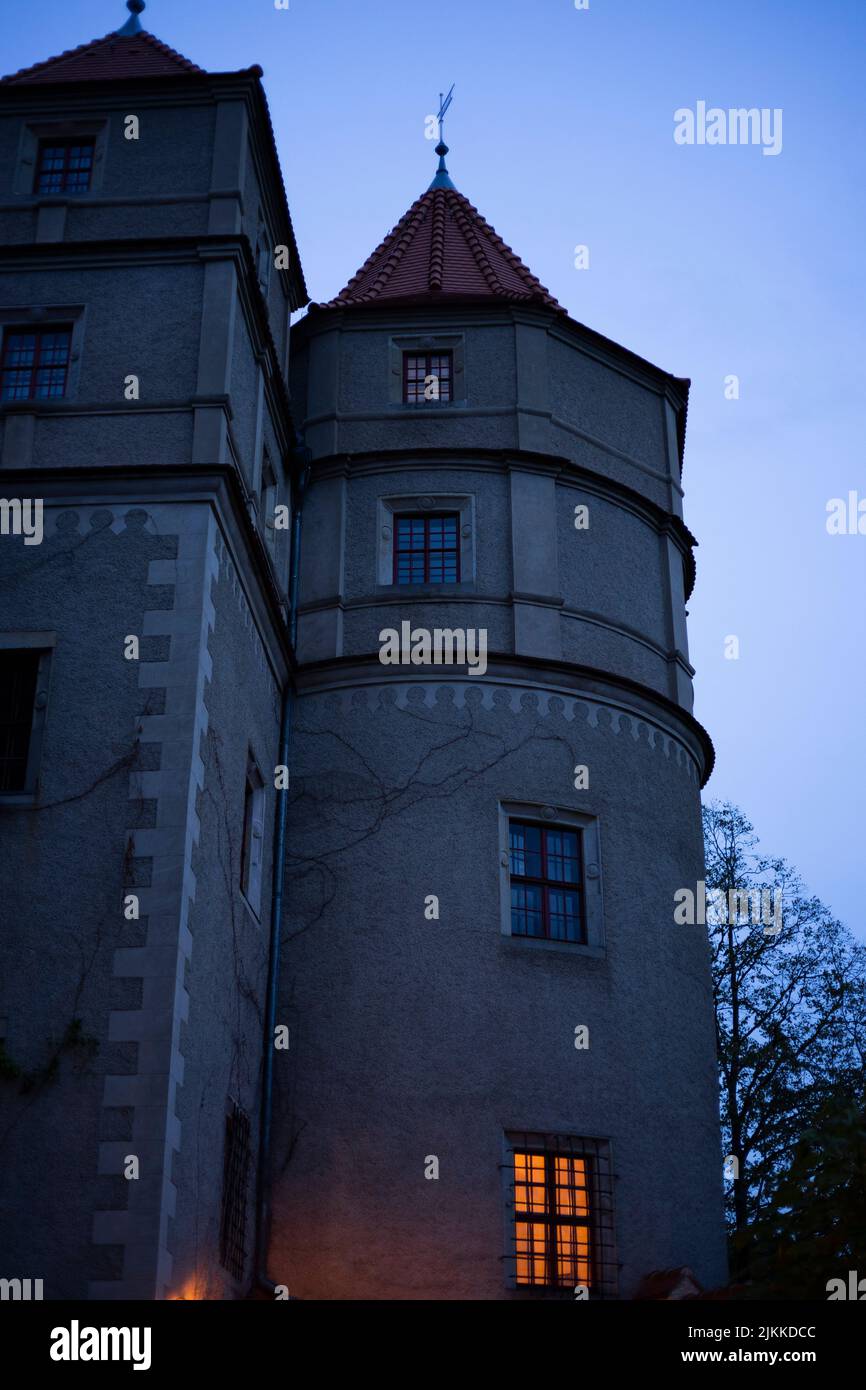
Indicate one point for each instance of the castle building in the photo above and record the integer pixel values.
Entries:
(397, 1009)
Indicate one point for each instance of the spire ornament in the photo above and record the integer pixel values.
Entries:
(442, 178)
(133, 24)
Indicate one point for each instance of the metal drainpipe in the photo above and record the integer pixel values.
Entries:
(263, 1202)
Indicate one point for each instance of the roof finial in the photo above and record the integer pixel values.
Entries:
(442, 178)
(133, 24)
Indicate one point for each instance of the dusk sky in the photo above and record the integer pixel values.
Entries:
(709, 260)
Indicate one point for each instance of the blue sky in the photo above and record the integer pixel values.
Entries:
(709, 260)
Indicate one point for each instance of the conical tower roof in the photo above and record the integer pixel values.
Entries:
(442, 252)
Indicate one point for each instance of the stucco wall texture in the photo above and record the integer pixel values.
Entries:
(417, 1037)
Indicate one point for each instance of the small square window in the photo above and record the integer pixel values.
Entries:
(64, 166)
(427, 377)
(561, 1193)
(546, 890)
(35, 363)
(427, 549)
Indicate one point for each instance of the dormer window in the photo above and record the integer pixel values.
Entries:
(64, 166)
(427, 377)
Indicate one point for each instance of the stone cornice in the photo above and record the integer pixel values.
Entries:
(548, 680)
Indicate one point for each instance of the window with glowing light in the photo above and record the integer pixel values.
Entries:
(551, 1216)
(561, 1196)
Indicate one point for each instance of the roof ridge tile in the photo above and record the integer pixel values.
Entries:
(35, 72)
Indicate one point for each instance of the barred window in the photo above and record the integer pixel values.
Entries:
(233, 1216)
(18, 674)
(34, 363)
(427, 377)
(545, 864)
(563, 1213)
(64, 166)
(427, 549)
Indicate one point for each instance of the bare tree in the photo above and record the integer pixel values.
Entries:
(790, 1016)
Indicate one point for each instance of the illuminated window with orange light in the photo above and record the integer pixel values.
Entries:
(552, 1219)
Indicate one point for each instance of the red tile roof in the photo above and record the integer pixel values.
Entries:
(442, 250)
(114, 56)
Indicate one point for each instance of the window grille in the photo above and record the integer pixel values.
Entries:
(233, 1216)
(427, 377)
(561, 1194)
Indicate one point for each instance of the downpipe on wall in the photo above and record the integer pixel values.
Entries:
(263, 1180)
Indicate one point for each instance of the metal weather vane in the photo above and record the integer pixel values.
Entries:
(442, 178)
(444, 103)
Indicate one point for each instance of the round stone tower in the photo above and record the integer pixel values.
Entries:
(501, 1075)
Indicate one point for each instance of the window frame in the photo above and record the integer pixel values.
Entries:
(548, 884)
(43, 643)
(411, 354)
(269, 498)
(33, 133)
(253, 837)
(599, 1222)
(390, 507)
(426, 517)
(418, 345)
(65, 143)
(563, 818)
(38, 331)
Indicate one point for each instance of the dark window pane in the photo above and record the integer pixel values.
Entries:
(526, 915)
(65, 168)
(525, 850)
(426, 550)
(563, 915)
(18, 671)
(551, 856)
(34, 364)
(562, 861)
